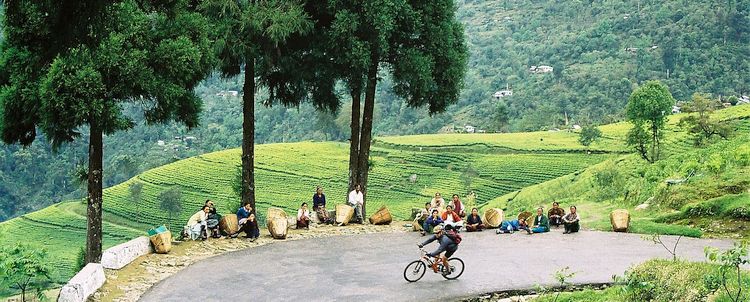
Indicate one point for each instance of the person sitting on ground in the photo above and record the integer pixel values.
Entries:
(431, 222)
(243, 220)
(438, 202)
(510, 226)
(451, 218)
(420, 218)
(541, 222)
(196, 225)
(571, 221)
(319, 206)
(474, 222)
(212, 220)
(251, 228)
(303, 217)
(555, 214)
(458, 206)
(356, 200)
(447, 245)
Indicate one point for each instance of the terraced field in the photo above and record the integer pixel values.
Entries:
(406, 172)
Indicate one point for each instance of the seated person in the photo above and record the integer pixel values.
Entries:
(212, 220)
(420, 218)
(451, 218)
(247, 225)
(474, 222)
(319, 206)
(303, 217)
(431, 222)
(196, 225)
(541, 222)
(438, 202)
(555, 214)
(510, 226)
(458, 206)
(571, 221)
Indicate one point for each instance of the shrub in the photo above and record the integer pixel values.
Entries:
(664, 280)
(742, 155)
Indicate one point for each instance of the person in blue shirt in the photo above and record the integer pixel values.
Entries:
(319, 206)
(432, 222)
(247, 222)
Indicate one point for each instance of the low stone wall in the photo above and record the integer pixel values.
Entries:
(83, 284)
(121, 255)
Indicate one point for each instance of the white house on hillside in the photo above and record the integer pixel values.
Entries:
(541, 69)
(503, 93)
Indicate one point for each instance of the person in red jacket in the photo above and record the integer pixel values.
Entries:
(451, 218)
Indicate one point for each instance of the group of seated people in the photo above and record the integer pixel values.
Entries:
(205, 223)
(541, 223)
(453, 214)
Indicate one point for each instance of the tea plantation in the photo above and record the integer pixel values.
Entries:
(406, 172)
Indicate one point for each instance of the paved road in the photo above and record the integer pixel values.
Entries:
(370, 267)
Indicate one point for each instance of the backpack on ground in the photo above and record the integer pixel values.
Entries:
(456, 237)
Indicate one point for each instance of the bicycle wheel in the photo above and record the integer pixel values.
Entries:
(414, 271)
(456, 269)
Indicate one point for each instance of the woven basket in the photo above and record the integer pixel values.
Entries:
(277, 226)
(162, 242)
(493, 217)
(524, 215)
(620, 220)
(228, 224)
(344, 213)
(382, 216)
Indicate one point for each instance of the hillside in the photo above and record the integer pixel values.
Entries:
(710, 196)
(540, 165)
(599, 50)
(286, 176)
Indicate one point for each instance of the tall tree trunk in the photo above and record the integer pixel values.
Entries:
(366, 137)
(94, 208)
(354, 141)
(248, 135)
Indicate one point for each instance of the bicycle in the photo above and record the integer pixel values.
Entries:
(416, 269)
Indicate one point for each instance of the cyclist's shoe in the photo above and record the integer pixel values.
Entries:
(447, 270)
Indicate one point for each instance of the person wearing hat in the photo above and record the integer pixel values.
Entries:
(447, 245)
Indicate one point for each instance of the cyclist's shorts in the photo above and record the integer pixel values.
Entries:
(450, 250)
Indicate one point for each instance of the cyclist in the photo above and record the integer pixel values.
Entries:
(447, 245)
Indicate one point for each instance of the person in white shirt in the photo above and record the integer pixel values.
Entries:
(438, 202)
(356, 200)
(303, 217)
(196, 225)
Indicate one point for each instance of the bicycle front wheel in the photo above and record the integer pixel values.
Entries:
(456, 268)
(414, 271)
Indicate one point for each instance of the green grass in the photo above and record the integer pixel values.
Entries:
(660, 280)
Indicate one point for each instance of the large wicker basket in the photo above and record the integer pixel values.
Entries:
(493, 217)
(524, 215)
(162, 242)
(344, 213)
(228, 224)
(276, 221)
(620, 220)
(382, 216)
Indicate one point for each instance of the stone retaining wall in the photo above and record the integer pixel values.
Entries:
(83, 284)
(121, 255)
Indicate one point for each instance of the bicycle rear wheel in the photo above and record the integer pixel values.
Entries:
(414, 271)
(455, 270)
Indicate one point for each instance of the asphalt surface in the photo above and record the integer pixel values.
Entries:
(370, 267)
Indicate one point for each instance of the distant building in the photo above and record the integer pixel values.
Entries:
(631, 49)
(469, 129)
(743, 100)
(576, 127)
(160, 143)
(541, 69)
(676, 109)
(503, 93)
(232, 93)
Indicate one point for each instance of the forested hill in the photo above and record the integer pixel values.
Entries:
(599, 51)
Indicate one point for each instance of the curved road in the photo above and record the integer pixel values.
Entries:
(370, 267)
